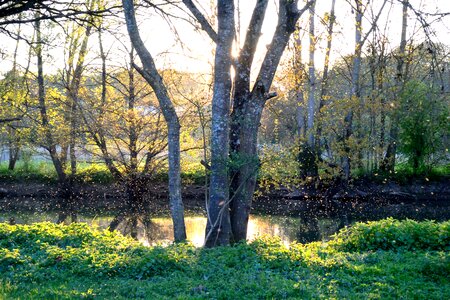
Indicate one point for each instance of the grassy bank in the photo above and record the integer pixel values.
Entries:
(378, 260)
(276, 171)
(87, 172)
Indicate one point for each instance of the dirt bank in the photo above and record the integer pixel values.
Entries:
(420, 199)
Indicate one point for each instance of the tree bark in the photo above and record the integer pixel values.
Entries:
(312, 77)
(14, 149)
(252, 110)
(249, 103)
(151, 75)
(218, 228)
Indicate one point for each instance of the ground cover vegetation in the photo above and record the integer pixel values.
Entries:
(387, 259)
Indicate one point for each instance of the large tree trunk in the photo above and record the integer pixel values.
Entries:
(246, 175)
(151, 75)
(248, 105)
(240, 97)
(218, 228)
(253, 106)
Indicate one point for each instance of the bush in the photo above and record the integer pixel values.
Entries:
(94, 173)
(391, 234)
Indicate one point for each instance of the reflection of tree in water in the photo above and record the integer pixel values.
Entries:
(315, 229)
(142, 228)
(150, 230)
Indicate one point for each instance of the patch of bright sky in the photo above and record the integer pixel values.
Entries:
(192, 50)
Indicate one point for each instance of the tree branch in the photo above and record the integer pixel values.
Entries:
(201, 19)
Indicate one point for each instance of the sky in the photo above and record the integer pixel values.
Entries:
(179, 45)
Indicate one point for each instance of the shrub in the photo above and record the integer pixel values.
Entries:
(391, 234)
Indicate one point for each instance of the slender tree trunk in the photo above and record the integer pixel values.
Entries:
(151, 75)
(14, 149)
(299, 77)
(14, 139)
(388, 163)
(324, 85)
(312, 77)
(354, 92)
(132, 137)
(65, 188)
(49, 143)
(307, 157)
(73, 91)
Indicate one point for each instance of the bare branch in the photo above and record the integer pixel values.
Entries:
(201, 19)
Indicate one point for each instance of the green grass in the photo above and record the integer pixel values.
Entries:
(28, 171)
(48, 261)
(278, 170)
(43, 171)
(87, 172)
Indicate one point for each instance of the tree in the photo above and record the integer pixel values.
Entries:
(355, 92)
(247, 105)
(324, 84)
(154, 79)
(307, 157)
(218, 228)
(388, 162)
(49, 142)
(126, 127)
(72, 80)
(40, 10)
(423, 122)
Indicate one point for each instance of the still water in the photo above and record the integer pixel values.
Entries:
(160, 229)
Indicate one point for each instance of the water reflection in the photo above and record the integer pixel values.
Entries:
(152, 231)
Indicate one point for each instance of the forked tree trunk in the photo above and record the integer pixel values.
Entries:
(248, 104)
(253, 106)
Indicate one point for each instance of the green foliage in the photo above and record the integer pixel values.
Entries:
(391, 234)
(45, 261)
(26, 170)
(423, 123)
(405, 172)
(93, 173)
(279, 167)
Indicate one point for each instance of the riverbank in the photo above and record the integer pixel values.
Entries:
(383, 260)
(418, 200)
